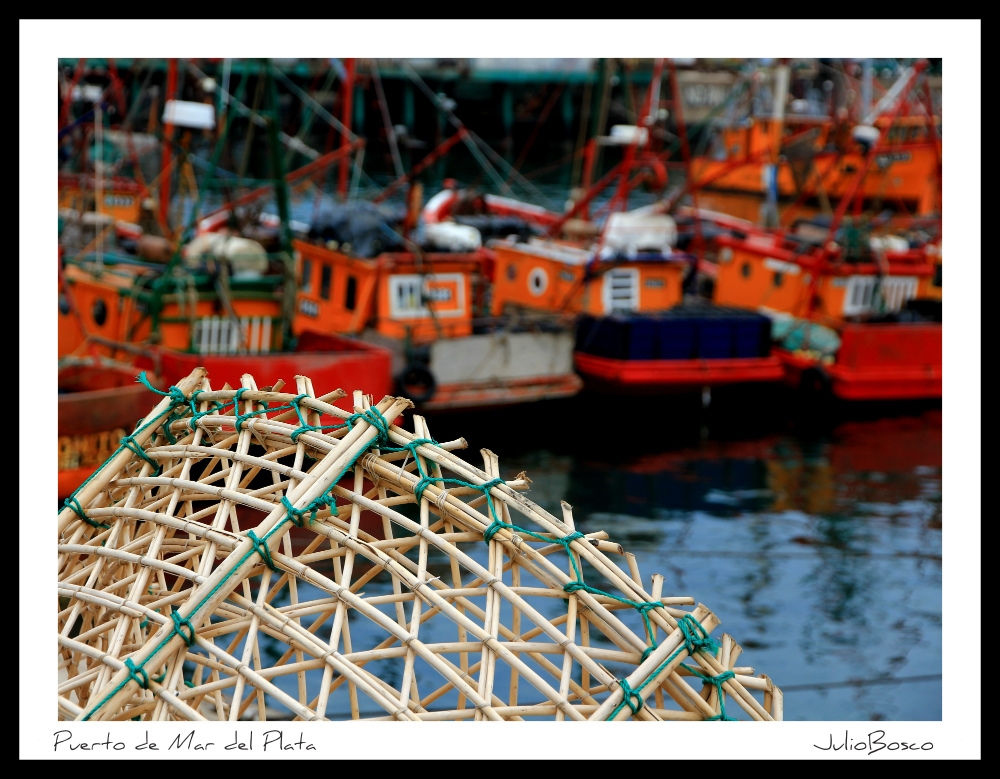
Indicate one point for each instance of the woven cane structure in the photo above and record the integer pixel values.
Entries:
(252, 554)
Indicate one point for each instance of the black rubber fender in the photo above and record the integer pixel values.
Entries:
(417, 383)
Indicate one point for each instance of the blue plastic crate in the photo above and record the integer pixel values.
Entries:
(640, 338)
(678, 338)
(715, 338)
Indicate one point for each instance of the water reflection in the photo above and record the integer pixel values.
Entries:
(821, 554)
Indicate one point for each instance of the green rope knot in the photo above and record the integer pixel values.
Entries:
(74, 504)
(183, 622)
(262, 550)
(632, 698)
(133, 446)
(717, 681)
(196, 414)
(237, 396)
(374, 418)
(689, 626)
(134, 671)
(295, 515)
(174, 393)
(494, 527)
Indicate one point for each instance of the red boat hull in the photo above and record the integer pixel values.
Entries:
(878, 362)
(104, 405)
(98, 406)
(664, 375)
(332, 362)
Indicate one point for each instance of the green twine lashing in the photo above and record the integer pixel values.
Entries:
(295, 515)
(262, 550)
(174, 393)
(129, 443)
(717, 681)
(183, 622)
(134, 671)
(196, 414)
(632, 698)
(643, 607)
(692, 642)
(426, 481)
(374, 417)
(74, 504)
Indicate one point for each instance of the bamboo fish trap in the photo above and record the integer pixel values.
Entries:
(252, 554)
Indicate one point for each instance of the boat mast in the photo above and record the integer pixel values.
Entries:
(770, 168)
(347, 102)
(168, 132)
(99, 174)
(281, 196)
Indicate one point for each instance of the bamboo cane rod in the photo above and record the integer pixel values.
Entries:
(408, 687)
(458, 522)
(494, 565)
(114, 662)
(309, 490)
(666, 648)
(433, 660)
(93, 488)
(473, 566)
(656, 590)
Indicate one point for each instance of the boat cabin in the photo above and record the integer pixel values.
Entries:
(118, 298)
(399, 294)
(905, 169)
(765, 271)
(633, 269)
(121, 198)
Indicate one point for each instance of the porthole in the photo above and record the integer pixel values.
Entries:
(538, 281)
(511, 272)
(745, 270)
(99, 311)
(778, 278)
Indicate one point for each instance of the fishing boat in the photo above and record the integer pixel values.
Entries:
(640, 324)
(222, 305)
(855, 299)
(428, 305)
(815, 156)
(417, 281)
(858, 318)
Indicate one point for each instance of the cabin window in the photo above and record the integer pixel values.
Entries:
(864, 293)
(307, 271)
(511, 272)
(936, 281)
(351, 294)
(324, 282)
(745, 270)
(778, 278)
(621, 290)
